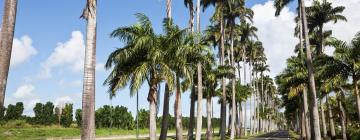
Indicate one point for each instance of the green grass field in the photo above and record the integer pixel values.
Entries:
(57, 132)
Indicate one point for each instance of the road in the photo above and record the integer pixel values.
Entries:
(277, 135)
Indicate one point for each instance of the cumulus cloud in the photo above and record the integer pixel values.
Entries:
(276, 33)
(61, 101)
(24, 91)
(346, 30)
(22, 50)
(68, 55)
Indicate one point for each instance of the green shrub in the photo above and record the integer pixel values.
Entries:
(17, 124)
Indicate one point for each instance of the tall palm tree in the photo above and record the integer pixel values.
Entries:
(321, 13)
(219, 17)
(165, 116)
(279, 5)
(189, 4)
(6, 42)
(199, 79)
(345, 63)
(294, 79)
(139, 61)
(88, 97)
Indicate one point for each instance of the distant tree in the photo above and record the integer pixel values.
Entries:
(58, 114)
(38, 111)
(14, 111)
(122, 118)
(78, 117)
(144, 118)
(48, 114)
(67, 115)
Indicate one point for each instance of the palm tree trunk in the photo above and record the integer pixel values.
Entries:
(192, 96)
(208, 113)
(192, 113)
(323, 120)
(331, 119)
(306, 111)
(6, 42)
(88, 97)
(178, 116)
(233, 103)
(343, 118)
(165, 116)
(357, 95)
(223, 84)
(199, 84)
(303, 128)
(191, 15)
(316, 135)
(152, 123)
(168, 8)
(245, 118)
(238, 120)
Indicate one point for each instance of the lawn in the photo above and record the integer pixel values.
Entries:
(53, 132)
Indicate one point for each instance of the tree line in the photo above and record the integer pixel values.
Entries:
(117, 117)
(320, 91)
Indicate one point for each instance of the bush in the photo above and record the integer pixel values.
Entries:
(16, 124)
(67, 115)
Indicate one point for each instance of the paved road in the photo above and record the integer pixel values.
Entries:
(278, 135)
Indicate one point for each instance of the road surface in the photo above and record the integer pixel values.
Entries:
(277, 135)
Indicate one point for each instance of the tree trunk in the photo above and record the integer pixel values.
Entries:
(316, 135)
(152, 123)
(323, 120)
(357, 95)
(342, 118)
(192, 114)
(178, 115)
(233, 103)
(165, 116)
(168, 8)
(208, 112)
(199, 84)
(303, 128)
(251, 103)
(191, 15)
(223, 84)
(6, 42)
(306, 111)
(331, 119)
(88, 97)
(152, 99)
(245, 118)
(238, 120)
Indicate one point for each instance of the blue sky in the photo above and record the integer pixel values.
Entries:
(49, 36)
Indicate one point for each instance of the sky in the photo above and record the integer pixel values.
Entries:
(48, 48)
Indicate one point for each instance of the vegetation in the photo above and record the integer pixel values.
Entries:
(319, 92)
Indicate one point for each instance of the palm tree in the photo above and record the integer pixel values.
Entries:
(321, 13)
(199, 80)
(139, 61)
(6, 41)
(189, 4)
(279, 5)
(165, 116)
(219, 17)
(233, 10)
(88, 99)
(294, 79)
(344, 63)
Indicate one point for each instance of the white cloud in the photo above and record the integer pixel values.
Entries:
(24, 91)
(100, 67)
(276, 33)
(346, 30)
(22, 50)
(61, 101)
(68, 55)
